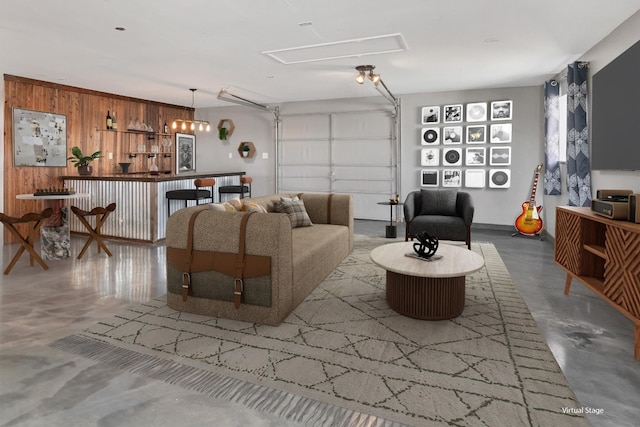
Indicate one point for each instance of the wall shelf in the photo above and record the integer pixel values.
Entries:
(228, 124)
(252, 151)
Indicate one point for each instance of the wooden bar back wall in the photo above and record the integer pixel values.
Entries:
(85, 111)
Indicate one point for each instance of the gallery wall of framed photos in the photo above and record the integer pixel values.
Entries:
(466, 145)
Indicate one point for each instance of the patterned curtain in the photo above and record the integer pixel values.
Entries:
(578, 167)
(552, 181)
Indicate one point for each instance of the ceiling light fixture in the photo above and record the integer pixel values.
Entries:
(377, 82)
(202, 124)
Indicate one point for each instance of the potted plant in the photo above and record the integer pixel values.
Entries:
(246, 148)
(82, 162)
(222, 133)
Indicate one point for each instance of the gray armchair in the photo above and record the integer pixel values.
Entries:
(446, 214)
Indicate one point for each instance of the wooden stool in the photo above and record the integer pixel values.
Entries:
(242, 189)
(188, 194)
(27, 242)
(101, 215)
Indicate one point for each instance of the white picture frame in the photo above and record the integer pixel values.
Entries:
(452, 113)
(502, 110)
(500, 156)
(452, 177)
(500, 133)
(475, 156)
(477, 112)
(499, 178)
(474, 178)
(476, 134)
(430, 136)
(429, 177)
(430, 157)
(431, 115)
(185, 153)
(451, 156)
(451, 135)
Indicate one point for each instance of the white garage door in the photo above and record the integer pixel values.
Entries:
(348, 153)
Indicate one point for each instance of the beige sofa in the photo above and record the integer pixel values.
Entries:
(301, 257)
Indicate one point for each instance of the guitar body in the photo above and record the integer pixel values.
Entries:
(529, 222)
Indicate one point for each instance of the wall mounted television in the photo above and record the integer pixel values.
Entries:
(615, 118)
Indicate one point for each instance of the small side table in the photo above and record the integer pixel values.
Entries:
(391, 228)
(54, 234)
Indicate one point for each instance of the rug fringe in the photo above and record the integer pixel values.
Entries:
(260, 398)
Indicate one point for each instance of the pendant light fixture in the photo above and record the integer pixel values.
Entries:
(191, 124)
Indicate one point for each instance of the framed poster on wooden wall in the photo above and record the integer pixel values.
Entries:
(39, 138)
(185, 153)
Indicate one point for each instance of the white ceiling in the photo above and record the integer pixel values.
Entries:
(170, 46)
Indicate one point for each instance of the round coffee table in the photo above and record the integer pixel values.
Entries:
(426, 289)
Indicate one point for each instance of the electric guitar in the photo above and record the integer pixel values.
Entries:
(529, 222)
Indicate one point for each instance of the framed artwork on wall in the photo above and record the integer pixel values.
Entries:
(502, 110)
(475, 156)
(429, 177)
(452, 135)
(474, 178)
(477, 112)
(451, 177)
(430, 136)
(451, 156)
(500, 156)
(430, 157)
(477, 134)
(452, 113)
(185, 153)
(500, 133)
(39, 139)
(431, 115)
(499, 178)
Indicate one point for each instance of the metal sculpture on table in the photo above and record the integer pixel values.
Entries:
(427, 247)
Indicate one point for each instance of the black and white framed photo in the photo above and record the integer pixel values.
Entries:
(500, 156)
(430, 157)
(451, 156)
(499, 178)
(431, 115)
(452, 113)
(430, 136)
(452, 135)
(474, 178)
(429, 177)
(476, 134)
(501, 110)
(185, 153)
(451, 178)
(477, 112)
(500, 133)
(475, 156)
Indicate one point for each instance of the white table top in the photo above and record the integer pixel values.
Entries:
(53, 197)
(455, 262)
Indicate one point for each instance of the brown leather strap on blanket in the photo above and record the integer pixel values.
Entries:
(186, 267)
(329, 208)
(238, 281)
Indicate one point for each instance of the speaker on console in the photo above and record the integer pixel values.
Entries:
(634, 208)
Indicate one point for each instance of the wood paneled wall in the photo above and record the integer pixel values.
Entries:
(86, 112)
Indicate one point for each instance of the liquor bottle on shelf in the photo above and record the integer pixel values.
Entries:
(114, 122)
(165, 128)
(109, 120)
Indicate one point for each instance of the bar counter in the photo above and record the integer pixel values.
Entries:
(141, 204)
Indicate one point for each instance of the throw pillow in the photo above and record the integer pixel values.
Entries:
(297, 213)
(439, 202)
(236, 203)
(253, 207)
(217, 207)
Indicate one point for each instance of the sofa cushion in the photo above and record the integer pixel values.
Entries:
(296, 211)
(438, 202)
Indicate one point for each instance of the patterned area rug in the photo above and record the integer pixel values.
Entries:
(343, 357)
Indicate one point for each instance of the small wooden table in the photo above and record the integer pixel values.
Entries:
(391, 228)
(54, 234)
(426, 289)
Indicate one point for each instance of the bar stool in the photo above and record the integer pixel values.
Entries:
(242, 189)
(196, 194)
(27, 242)
(101, 215)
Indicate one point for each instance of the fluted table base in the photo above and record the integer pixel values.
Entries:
(426, 298)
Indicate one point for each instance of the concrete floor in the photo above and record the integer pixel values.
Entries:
(41, 386)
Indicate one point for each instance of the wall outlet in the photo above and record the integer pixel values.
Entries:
(265, 155)
(231, 155)
(110, 156)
